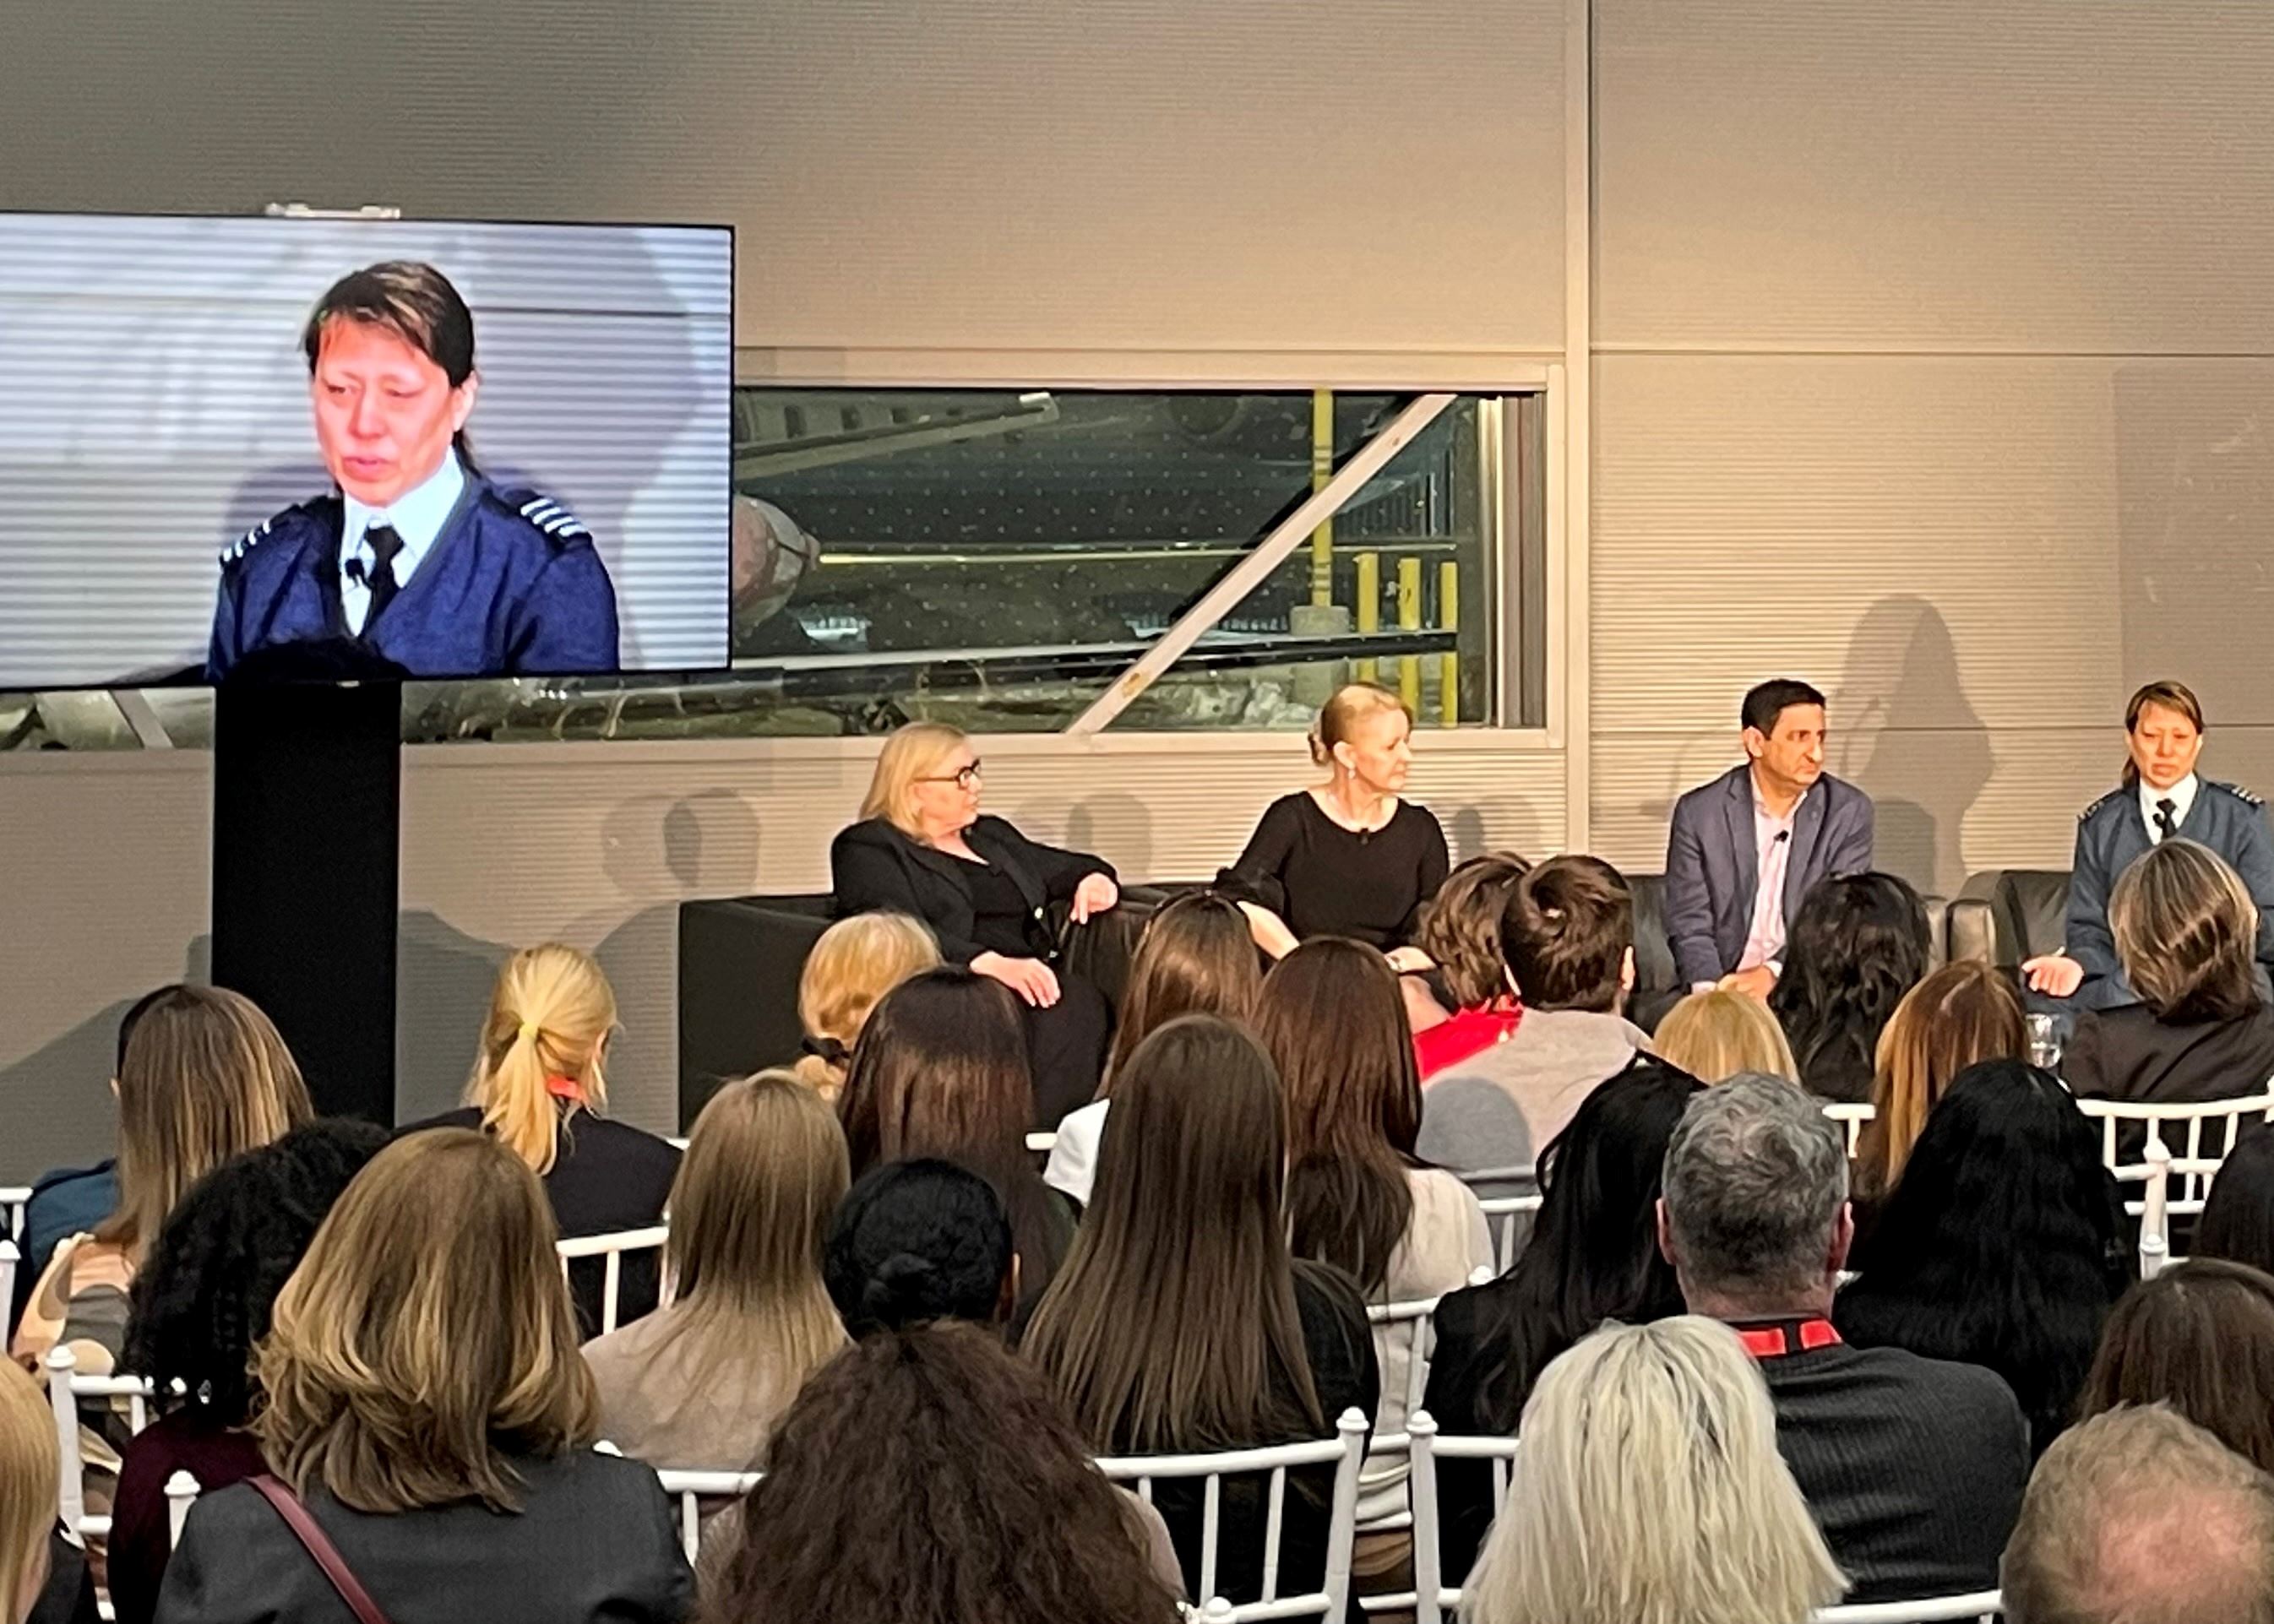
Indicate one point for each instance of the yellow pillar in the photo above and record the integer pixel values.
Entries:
(1409, 620)
(1449, 663)
(1370, 610)
(1323, 469)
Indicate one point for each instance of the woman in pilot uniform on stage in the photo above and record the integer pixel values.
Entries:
(2160, 797)
(417, 554)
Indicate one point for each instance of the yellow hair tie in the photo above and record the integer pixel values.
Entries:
(529, 1032)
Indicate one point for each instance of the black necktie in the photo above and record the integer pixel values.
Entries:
(2164, 827)
(384, 543)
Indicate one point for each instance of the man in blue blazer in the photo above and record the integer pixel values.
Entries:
(1778, 817)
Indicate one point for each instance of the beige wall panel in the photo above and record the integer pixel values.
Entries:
(1938, 174)
(597, 846)
(1938, 543)
(1148, 173)
(105, 894)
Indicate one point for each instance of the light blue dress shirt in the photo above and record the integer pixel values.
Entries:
(418, 516)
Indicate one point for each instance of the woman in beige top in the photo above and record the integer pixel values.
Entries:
(699, 1385)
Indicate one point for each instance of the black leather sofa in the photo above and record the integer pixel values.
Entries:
(740, 959)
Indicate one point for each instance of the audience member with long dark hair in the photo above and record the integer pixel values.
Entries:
(928, 1475)
(941, 1071)
(2238, 1218)
(1196, 958)
(2187, 934)
(699, 1385)
(428, 1406)
(1181, 1324)
(1593, 1255)
(1460, 932)
(1333, 1022)
(540, 1087)
(202, 1305)
(919, 1240)
(2001, 1247)
(1651, 1489)
(1962, 1014)
(2199, 1337)
(1857, 945)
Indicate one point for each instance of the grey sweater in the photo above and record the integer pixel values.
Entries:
(1498, 1108)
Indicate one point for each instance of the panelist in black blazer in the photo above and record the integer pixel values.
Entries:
(923, 847)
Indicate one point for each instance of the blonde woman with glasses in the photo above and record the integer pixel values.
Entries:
(540, 1087)
(430, 1420)
(1693, 1518)
(923, 849)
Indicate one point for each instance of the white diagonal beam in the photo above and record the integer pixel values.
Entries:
(1268, 555)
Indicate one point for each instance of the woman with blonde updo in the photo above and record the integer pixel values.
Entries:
(539, 1089)
(1349, 857)
(856, 962)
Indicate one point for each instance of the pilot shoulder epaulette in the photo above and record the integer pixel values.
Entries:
(547, 512)
(2085, 816)
(251, 538)
(2237, 791)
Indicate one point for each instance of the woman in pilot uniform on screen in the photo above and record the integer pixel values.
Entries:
(415, 554)
(2160, 797)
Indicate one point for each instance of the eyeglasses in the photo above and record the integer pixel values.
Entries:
(966, 777)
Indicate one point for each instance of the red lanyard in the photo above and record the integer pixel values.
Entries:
(1774, 1342)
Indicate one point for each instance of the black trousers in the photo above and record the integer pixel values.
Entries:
(1066, 1047)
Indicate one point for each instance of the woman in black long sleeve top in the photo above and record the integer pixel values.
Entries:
(1349, 858)
(923, 848)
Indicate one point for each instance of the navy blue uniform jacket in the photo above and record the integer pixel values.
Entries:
(512, 586)
(2112, 835)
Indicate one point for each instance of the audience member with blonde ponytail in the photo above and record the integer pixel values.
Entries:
(700, 1384)
(27, 1495)
(539, 1089)
(856, 961)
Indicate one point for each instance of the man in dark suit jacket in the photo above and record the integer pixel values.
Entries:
(1780, 817)
(1913, 1468)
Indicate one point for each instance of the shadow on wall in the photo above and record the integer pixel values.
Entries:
(656, 852)
(1903, 729)
(59, 1110)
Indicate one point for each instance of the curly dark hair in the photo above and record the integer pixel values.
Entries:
(929, 1476)
(203, 1297)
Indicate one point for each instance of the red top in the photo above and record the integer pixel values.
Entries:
(1469, 1032)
